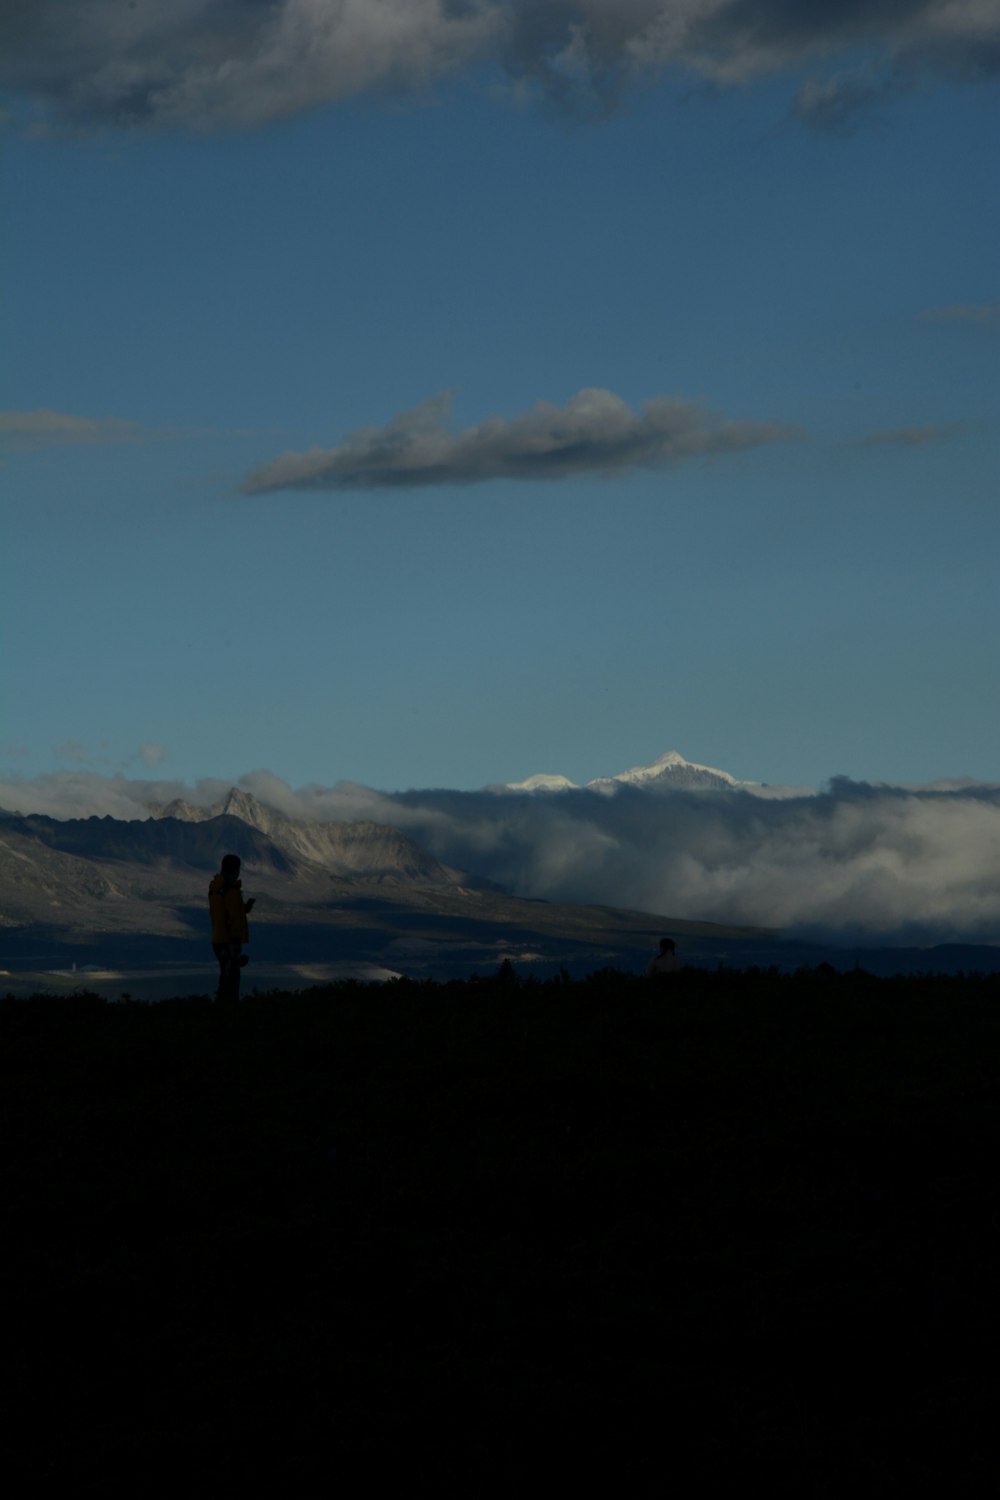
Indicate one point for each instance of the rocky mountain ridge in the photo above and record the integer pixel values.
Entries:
(362, 850)
(106, 873)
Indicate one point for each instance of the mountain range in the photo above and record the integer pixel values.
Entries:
(104, 873)
(126, 898)
(90, 875)
(361, 850)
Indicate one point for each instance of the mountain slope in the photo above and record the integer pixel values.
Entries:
(131, 875)
(151, 841)
(362, 850)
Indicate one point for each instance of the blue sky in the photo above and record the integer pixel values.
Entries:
(790, 572)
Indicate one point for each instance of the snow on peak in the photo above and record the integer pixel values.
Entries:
(670, 770)
(542, 783)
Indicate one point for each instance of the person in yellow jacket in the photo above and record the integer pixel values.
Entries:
(230, 931)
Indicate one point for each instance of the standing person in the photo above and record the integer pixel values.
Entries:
(665, 962)
(230, 931)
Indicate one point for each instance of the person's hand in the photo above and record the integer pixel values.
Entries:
(249, 904)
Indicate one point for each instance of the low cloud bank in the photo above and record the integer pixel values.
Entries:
(596, 432)
(878, 863)
(211, 64)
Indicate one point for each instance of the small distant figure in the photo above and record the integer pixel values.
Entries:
(665, 962)
(230, 931)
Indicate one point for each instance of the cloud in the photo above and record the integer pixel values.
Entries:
(29, 431)
(73, 750)
(865, 862)
(237, 64)
(596, 432)
(839, 104)
(879, 862)
(206, 64)
(910, 437)
(984, 314)
(79, 754)
(152, 754)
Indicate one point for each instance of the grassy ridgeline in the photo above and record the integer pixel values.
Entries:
(501, 1237)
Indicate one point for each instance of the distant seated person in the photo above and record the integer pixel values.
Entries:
(230, 931)
(665, 961)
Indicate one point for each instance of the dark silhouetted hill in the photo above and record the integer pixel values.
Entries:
(506, 1239)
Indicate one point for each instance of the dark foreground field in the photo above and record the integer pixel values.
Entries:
(482, 1238)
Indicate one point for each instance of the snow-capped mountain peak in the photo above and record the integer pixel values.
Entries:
(670, 772)
(542, 783)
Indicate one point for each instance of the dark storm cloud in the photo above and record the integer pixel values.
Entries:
(596, 432)
(203, 64)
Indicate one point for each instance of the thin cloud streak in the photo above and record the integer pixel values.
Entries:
(910, 437)
(838, 105)
(238, 64)
(596, 432)
(983, 314)
(31, 431)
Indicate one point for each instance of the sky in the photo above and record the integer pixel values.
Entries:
(436, 394)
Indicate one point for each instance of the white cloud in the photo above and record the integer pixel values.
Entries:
(880, 861)
(596, 432)
(204, 64)
(86, 793)
(152, 754)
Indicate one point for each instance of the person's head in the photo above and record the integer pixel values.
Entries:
(231, 866)
(667, 945)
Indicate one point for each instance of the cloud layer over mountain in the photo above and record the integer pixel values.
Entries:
(596, 432)
(235, 64)
(885, 863)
